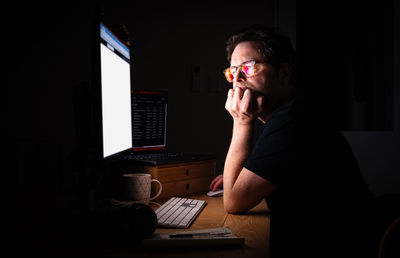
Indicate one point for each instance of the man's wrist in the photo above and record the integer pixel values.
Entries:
(242, 131)
(243, 124)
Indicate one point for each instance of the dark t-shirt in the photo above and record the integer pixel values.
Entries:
(321, 200)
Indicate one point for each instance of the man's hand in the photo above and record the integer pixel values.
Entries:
(243, 105)
(216, 183)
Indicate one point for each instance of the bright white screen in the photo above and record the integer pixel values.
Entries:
(116, 102)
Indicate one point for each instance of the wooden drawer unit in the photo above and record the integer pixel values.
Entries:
(182, 179)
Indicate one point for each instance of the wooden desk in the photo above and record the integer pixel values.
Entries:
(253, 226)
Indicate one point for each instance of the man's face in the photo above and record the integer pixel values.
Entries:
(265, 82)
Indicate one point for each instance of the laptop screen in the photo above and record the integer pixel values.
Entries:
(149, 120)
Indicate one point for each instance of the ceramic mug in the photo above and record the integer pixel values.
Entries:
(137, 187)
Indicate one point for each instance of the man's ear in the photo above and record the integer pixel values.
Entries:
(285, 73)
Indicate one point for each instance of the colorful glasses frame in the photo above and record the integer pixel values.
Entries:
(248, 69)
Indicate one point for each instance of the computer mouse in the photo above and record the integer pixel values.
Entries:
(218, 192)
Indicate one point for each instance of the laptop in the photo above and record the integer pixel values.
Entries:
(149, 131)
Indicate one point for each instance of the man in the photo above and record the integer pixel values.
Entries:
(301, 165)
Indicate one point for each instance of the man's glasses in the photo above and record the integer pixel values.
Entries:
(247, 68)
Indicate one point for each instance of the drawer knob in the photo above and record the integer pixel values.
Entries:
(187, 172)
(187, 186)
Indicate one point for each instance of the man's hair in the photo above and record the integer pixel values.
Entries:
(276, 48)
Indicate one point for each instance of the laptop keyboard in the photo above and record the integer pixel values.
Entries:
(158, 156)
(179, 212)
(167, 157)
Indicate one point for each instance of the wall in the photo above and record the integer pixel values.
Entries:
(377, 150)
(49, 67)
(378, 156)
(49, 61)
(168, 44)
(48, 57)
(47, 52)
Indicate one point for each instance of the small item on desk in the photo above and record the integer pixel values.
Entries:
(205, 237)
(201, 235)
(218, 192)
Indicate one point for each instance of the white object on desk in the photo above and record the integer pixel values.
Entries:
(204, 237)
(215, 193)
(179, 212)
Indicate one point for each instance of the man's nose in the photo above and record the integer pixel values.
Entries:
(239, 77)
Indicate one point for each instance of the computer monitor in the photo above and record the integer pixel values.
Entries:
(113, 94)
(149, 120)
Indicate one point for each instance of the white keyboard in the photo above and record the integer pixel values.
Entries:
(179, 212)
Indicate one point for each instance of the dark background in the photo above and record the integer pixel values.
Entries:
(348, 58)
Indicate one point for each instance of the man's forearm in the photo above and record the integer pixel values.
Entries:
(238, 152)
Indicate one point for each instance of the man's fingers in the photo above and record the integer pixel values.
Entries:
(247, 96)
(247, 101)
(238, 94)
(230, 93)
(229, 99)
(213, 182)
(216, 183)
(242, 105)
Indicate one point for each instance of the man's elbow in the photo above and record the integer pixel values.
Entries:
(232, 208)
